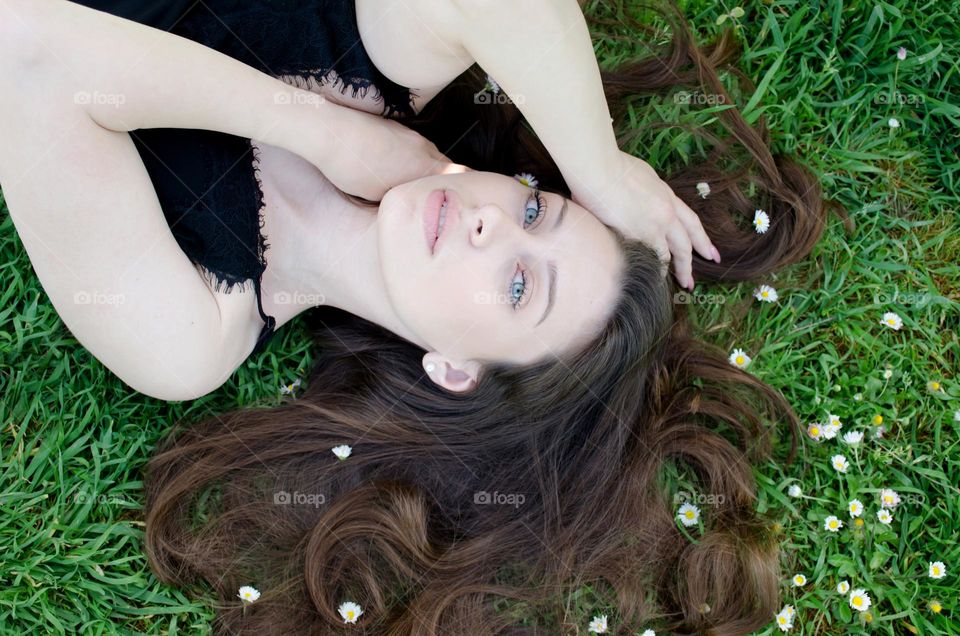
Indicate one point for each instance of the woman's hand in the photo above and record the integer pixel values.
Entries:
(366, 155)
(635, 201)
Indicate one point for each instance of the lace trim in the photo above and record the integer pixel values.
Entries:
(358, 85)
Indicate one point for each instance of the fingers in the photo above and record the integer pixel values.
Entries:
(682, 251)
(698, 236)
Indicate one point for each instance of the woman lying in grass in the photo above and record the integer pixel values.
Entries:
(511, 393)
(104, 90)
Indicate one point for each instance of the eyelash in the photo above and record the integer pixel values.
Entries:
(541, 209)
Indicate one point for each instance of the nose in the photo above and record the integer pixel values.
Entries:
(489, 222)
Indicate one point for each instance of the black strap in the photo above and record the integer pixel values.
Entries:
(270, 323)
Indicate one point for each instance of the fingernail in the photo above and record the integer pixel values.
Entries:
(716, 254)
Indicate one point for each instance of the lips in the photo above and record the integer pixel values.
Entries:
(431, 218)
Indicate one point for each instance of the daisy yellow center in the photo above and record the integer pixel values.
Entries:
(857, 601)
(936, 570)
(935, 607)
(935, 386)
(878, 419)
(688, 514)
(833, 524)
(815, 430)
(739, 359)
(764, 294)
(859, 522)
(349, 613)
(891, 321)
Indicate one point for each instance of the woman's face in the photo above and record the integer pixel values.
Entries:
(508, 281)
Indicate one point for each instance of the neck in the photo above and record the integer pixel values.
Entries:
(326, 253)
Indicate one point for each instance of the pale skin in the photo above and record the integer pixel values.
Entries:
(90, 221)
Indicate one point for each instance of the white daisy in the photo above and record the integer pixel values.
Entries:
(785, 618)
(901, 54)
(956, 415)
(342, 452)
(888, 373)
(839, 462)
(843, 587)
(855, 508)
(349, 611)
(884, 517)
(893, 122)
(493, 85)
(830, 430)
(739, 358)
(834, 419)
(858, 397)
(526, 179)
(765, 293)
(761, 221)
(289, 388)
(689, 514)
(879, 431)
(598, 625)
(648, 632)
(893, 321)
(859, 600)
(937, 570)
(853, 437)
(794, 490)
(889, 498)
(832, 523)
(703, 189)
(799, 580)
(248, 594)
(815, 431)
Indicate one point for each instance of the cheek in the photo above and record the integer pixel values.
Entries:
(443, 302)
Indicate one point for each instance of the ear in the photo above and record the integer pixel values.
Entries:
(453, 375)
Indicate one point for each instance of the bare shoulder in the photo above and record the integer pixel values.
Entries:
(414, 43)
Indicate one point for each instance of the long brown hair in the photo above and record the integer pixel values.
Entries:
(546, 478)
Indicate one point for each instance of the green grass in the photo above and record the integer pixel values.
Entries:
(75, 438)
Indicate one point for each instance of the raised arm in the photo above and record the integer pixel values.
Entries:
(75, 80)
(540, 52)
(161, 80)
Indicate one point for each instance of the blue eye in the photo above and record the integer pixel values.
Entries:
(534, 209)
(518, 288)
(532, 213)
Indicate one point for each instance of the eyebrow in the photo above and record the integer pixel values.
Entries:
(552, 269)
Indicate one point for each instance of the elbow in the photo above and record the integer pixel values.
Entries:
(175, 390)
(176, 383)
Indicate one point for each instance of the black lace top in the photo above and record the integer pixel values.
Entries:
(206, 181)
